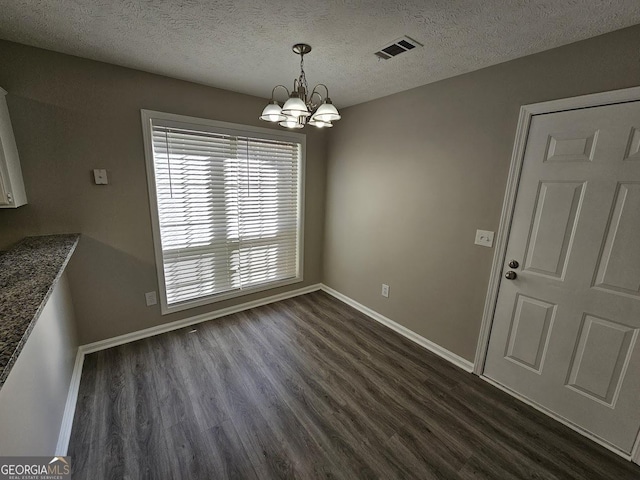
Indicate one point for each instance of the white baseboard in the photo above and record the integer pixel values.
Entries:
(70, 407)
(558, 418)
(404, 331)
(468, 366)
(636, 451)
(168, 327)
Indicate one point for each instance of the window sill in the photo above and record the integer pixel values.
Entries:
(178, 307)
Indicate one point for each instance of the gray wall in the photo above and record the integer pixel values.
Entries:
(409, 178)
(71, 115)
(412, 176)
(33, 398)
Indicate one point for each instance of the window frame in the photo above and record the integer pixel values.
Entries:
(148, 116)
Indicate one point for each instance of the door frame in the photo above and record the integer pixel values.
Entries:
(527, 112)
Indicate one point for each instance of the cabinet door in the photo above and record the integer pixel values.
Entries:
(5, 196)
(12, 192)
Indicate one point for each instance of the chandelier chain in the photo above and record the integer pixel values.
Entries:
(303, 78)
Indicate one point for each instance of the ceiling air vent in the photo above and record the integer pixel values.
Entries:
(399, 46)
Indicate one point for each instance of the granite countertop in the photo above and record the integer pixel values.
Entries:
(28, 273)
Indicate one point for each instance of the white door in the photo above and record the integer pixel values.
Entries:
(565, 330)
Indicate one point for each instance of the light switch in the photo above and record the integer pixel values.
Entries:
(151, 298)
(484, 238)
(100, 176)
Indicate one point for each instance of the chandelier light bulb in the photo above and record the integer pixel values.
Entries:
(291, 123)
(295, 107)
(319, 123)
(327, 112)
(272, 113)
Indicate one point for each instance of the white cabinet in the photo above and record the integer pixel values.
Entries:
(12, 193)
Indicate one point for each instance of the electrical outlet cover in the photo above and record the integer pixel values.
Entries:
(151, 298)
(100, 176)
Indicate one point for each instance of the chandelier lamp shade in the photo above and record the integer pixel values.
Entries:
(301, 107)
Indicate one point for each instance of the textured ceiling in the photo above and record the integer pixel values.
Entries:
(245, 45)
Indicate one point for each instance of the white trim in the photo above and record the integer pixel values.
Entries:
(558, 418)
(69, 412)
(402, 330)
(147, 116)
(168, 327)
(219, 297)
(70, 408)
(72, 397)
(501, 239)
(231, 128)
(585, 101)
(508, 205)
(506, 217)
(67, 422)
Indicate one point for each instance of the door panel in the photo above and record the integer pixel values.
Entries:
(633, 148)
(530, 328)
(619, 265)
(565, 330)
(602, 354)
(553, 227)
(571, 149)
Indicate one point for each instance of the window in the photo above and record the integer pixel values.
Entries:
(226, 203)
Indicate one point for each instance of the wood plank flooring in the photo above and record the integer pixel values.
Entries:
(310, 388)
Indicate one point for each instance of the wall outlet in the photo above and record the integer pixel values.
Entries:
(385, 290)
(151, 298)
(100, 176)
(484, 238)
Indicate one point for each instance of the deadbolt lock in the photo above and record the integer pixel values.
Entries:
(514, 264)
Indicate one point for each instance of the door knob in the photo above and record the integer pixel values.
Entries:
(510, 275)
(514, 264)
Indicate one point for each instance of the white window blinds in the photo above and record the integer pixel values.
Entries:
(228, 210)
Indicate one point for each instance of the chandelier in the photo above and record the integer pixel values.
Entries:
(301, 108)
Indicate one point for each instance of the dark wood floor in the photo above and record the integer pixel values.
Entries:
(309, 388)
